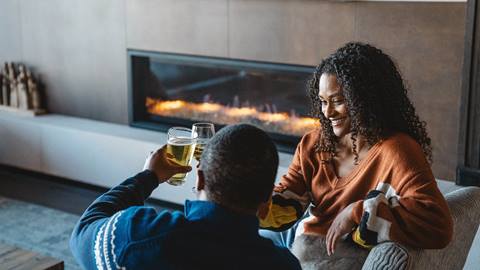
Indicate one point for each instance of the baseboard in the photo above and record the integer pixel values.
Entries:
(467, 176)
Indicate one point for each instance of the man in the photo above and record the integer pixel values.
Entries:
(219, 231)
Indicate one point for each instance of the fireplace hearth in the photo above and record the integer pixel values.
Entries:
(177, 90)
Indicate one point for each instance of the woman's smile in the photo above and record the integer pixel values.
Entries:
(338, 121)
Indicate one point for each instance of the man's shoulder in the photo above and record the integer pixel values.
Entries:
(145, 222)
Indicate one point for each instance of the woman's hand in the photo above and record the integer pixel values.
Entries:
(163, 165)
(341, 225)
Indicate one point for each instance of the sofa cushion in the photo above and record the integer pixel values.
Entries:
(312, 253)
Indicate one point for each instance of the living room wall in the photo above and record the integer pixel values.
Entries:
(79, 46)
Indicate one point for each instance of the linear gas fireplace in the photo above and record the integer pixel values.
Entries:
(171, 89)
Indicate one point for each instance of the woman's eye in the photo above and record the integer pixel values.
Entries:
(340, 101)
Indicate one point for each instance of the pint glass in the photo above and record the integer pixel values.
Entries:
(180, 144)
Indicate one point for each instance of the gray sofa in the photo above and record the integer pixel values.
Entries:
(464, 205)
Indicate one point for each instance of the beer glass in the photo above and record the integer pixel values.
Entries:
(181, 144)
(203, 132)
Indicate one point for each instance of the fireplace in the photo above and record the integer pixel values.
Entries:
(168, 89)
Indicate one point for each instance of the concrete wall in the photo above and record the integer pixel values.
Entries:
(79, 46)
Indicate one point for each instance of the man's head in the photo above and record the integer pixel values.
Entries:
(238, 167)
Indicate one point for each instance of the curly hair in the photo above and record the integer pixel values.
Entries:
(375, 95)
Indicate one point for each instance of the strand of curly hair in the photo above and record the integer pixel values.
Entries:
(375, 95)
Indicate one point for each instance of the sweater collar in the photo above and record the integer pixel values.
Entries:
(217, 214)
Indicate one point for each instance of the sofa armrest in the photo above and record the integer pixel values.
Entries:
(464, 206)
(388, 255)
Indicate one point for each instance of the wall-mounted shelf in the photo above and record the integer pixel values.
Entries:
(22, 112)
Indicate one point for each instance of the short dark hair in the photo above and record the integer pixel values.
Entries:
(239, 165)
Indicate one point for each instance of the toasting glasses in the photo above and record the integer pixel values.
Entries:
(180, 144)
(203, 132)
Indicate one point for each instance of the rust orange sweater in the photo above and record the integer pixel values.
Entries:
(394, 193)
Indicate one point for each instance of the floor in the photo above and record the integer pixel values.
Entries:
(38, 212)
(59, 193)
(37, 228)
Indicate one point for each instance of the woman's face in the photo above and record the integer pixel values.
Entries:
(333, 104)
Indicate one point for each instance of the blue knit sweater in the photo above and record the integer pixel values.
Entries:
(118, 232)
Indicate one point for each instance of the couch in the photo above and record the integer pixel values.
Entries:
(464, 205)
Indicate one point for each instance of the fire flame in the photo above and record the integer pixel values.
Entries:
(169, 105)
(273, 117)
(209, 107)
(214, 112)
(244, 111)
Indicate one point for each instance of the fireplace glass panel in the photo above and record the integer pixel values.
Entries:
(171, 89)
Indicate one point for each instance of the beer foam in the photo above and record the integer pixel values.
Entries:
(179, 141)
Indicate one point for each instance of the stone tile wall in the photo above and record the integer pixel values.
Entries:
(79, 46)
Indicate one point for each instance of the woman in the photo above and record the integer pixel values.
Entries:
(365, 172)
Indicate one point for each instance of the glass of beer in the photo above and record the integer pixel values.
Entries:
(181, 144)
(203, 132)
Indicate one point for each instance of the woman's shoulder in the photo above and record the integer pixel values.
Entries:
(401, 147)
(310, 139)
(400, 141)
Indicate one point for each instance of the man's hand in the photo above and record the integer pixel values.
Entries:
(163, 165)
(341, 225)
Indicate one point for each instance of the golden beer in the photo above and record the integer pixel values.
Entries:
(203, 132)
(182, 150)
(199, 149)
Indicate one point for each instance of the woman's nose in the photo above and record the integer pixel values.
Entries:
(329, 110)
